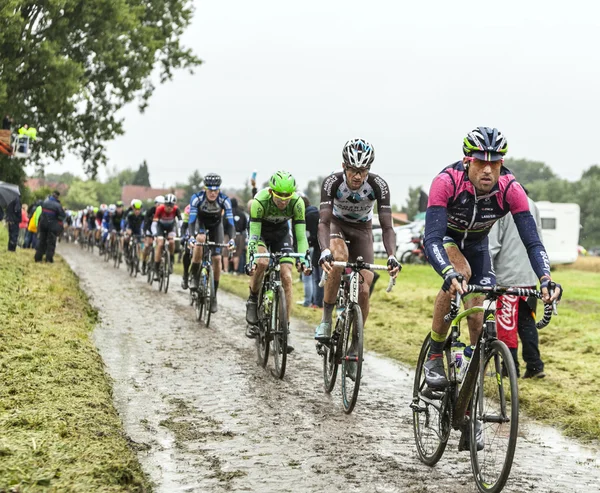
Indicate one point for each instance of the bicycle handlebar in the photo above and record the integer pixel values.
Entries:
(549, 309)
(358, 266)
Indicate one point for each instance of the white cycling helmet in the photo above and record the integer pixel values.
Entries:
(160, 199)
(170, 199)
(358, 153)
(112, 208)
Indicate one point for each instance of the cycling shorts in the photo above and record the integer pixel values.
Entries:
(359, 236)
(480, 261)
(165, 230)
(213, 233)
(278, 240)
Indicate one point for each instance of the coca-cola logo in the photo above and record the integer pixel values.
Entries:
(507, 314)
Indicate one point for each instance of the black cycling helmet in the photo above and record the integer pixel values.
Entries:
(212, 181)
(485, 143)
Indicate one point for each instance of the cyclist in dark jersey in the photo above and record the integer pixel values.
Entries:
(147, 231)
(206, 208)
(465, 200)
(347, 200)
(133, 222)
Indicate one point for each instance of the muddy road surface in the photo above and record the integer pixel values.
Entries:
(205, 418)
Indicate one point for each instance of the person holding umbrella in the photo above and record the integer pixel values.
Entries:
(49, 227)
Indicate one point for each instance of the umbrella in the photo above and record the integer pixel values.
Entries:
(8, 193)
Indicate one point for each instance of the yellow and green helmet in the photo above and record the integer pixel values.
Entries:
(282, 182)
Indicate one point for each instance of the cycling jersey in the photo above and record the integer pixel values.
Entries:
(356, 207)
(112, 221)
(267, 220)
(456, 214)
(134, 223)
(206, 214)
(166, 217)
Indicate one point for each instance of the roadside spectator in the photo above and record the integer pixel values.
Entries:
(31, 234)
(516, 313)
(23, 226)
(50, 226)
(311, 215)
(13, 219)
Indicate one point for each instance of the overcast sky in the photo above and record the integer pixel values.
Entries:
(285, 84)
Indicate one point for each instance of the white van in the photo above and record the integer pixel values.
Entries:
(560, 231)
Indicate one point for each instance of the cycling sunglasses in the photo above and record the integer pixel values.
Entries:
(282, 196)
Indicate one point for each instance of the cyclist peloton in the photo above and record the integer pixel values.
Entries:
(465, 200)
(167, 219)
(206, 208)
(346, 212)
(270, 212)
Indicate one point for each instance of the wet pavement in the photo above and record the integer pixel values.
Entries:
(204, 417)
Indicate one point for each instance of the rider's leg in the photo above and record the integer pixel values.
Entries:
(286, 281)
(196, 259)
(216, 263)
(254, 284)
(340, 253)
(158, 251)
(363, 293)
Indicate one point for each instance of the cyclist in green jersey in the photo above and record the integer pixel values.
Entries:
(271, 211)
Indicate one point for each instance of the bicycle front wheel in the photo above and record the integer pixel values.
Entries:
(495, 407)
(280, 330)
(352, 357)
(431, 422)
(331, 352)
(209, 294)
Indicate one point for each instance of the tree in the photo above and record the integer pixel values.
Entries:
(527, 171)
(142, 175)
(313, 190)
(81, 194)
(194, 183)
(67, 67)
(413, 203)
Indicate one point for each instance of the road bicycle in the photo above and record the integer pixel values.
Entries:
(345, 346)
(487, 392)
(271, 331)
(132, 254)
(117, 255)
(204, 296)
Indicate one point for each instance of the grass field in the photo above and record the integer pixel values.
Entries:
(59, 430)
(567, 398)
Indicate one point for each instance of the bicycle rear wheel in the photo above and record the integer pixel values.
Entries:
(262, 332)
(352, 357)
(209, 293)
(279, 333)
(495, 405)
(431, 420)
(116, 254)
(331, 352)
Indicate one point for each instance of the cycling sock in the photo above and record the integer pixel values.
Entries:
(327, 312)
(437, 343)
(195, 269)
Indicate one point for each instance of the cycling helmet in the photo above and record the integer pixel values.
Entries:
(282, 182)
(212, 181)
(136, 204)
(112, 208)
(358, 153)
(95, 210)
(103, 207)
(170, 199)
(159, 200)
(485, 143)
(119, 203)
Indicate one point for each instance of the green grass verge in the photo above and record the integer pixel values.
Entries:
(59, 430)
(567, 398)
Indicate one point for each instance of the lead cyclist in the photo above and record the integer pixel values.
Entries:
(465, 200)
